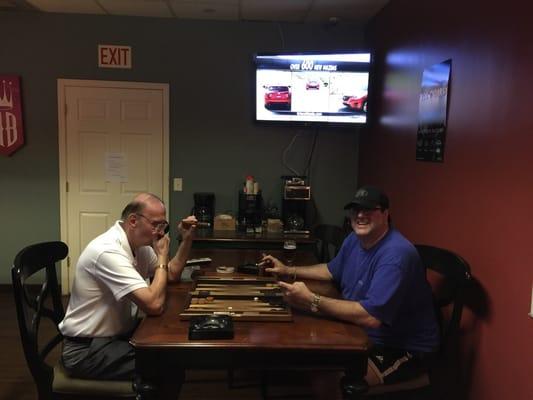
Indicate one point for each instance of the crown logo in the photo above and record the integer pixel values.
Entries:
(6, 96)
(361, 193)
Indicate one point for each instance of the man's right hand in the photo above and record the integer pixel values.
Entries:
(161, 246)
(274, 266)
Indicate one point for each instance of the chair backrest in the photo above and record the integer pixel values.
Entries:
(449, 276)
(330, 241)
(33, 306)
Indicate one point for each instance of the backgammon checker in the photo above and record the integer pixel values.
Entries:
(211, 327)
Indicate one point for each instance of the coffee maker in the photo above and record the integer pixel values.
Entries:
(204, 207)
(296, 197)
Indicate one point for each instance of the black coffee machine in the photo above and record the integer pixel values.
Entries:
(204, 207)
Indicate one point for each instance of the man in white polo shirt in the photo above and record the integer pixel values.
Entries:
(110, 285)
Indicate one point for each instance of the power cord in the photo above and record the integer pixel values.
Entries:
(284, 155)
(307, 171)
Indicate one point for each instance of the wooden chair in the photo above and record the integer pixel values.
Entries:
(37, 304)
(330, 241)
(449, 276)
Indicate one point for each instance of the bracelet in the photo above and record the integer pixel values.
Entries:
(163, 266)
(294, 274)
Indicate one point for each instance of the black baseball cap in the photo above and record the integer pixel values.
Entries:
(369, 197)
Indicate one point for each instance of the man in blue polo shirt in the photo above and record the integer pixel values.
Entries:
(383, 287)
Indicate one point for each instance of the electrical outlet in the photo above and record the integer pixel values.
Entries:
(178, 184)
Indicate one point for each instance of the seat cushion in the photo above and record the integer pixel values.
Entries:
(418, 382)
(64, 384)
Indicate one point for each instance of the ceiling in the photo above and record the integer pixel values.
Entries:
(299, 11)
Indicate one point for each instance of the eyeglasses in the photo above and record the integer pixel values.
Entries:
(353, 212)
(161, 226)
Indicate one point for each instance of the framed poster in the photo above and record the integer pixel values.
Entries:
(432, 112)
(11, 132)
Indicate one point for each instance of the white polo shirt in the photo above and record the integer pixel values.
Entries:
(106, 272)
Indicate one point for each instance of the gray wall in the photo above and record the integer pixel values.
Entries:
(214, 142)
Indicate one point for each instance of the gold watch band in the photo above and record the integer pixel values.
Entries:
(163, 266)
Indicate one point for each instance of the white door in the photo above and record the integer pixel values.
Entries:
(113, 145)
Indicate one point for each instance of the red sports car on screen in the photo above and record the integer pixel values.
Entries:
(278, 96)
(355, 102)
(312, 85)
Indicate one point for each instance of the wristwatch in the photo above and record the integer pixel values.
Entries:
(315, 302)
(163, 266)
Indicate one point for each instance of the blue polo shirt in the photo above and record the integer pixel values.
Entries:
(389, 281)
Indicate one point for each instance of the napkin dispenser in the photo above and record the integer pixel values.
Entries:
(224, 222)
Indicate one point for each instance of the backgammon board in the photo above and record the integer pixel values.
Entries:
(243, 298)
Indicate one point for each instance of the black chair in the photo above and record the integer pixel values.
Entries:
(330, 241)
(38, 304)
(449, 276)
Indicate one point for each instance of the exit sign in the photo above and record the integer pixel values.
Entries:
(110, 56)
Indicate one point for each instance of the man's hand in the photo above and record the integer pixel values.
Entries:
(187, 226)
(161, 246)
(297, 294)
(274, 266)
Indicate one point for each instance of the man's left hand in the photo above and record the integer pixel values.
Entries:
(297, 294)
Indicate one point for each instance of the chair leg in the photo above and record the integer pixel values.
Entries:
(231, 378)
(264, 385)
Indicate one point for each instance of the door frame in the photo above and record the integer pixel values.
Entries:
(62, 85)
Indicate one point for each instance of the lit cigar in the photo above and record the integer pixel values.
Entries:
(263, 263)
(196, 223)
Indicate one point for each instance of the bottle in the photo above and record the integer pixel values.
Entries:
(249, 186)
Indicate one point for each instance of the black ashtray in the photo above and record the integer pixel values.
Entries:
(249, 268)
(211, 327)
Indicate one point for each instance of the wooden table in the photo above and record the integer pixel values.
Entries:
(164, 352)
(241, 240)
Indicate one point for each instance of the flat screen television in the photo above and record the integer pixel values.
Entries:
(312, 87)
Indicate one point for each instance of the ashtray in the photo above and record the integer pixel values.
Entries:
(211, 327)
(249, 268)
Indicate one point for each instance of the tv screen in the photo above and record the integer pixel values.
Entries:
(312, 87)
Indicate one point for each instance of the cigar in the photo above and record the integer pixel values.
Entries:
(197, 223)
(263, 263)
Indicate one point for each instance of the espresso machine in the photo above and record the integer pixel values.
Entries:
(296, 197)
(204, 208)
